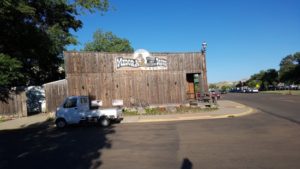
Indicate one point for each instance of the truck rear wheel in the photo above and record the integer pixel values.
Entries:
(104, 121)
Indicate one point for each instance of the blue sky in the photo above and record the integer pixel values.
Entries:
(243, 36)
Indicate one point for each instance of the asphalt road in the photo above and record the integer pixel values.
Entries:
(258, 141)
(282, 106)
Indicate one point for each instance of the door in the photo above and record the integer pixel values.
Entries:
(83, 104)
(190, 86)
(71, 110)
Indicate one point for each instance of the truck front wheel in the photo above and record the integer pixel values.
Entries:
(61, 123)
(104, 121)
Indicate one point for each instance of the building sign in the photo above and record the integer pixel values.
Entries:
(141, 60)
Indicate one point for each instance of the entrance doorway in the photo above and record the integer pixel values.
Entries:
(192, 80)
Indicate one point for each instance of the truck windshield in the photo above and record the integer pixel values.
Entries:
(71, 102)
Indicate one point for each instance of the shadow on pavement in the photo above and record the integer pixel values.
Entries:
(186, 164)
(43, 146)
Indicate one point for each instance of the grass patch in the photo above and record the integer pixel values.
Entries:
(194, 109)
(283, 92)
(165, 111)
(50, 119)
(5, 118)
(2, 120)
(155, 111)
(128, 112)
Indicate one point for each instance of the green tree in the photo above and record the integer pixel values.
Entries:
(297, 68)
(36, 33)
(270, 78)
(108, 42)
(289, 71)
(9, 74)
(213, 86)
(252, 83)
(264, 79)
(256, 79)
(225, 88)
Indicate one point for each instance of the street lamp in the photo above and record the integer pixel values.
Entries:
(204, 45)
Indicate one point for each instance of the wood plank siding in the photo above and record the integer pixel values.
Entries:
(95, 74)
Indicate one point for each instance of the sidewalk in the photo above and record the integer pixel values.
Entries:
(24, 121)
(226, 109)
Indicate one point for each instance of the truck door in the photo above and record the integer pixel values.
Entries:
(71, 110)
(83, 104)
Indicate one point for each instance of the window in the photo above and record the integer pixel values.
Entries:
(70, 103)
(83, 100)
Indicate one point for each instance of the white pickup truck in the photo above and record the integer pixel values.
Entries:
(78, 109)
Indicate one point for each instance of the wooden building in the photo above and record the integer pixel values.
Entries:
(142, 77)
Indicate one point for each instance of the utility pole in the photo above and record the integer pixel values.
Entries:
(203, 86)
(203, 51)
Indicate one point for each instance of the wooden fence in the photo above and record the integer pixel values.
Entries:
(15, 106)
(55, 93)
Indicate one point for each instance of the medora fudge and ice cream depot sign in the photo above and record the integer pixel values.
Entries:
(141, 60)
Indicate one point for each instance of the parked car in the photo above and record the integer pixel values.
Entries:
(293, 87)
(252, 90)
(215, 93)
(223, 91)
(78, 109)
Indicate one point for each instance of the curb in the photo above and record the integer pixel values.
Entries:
(199, 117)
(245, 113)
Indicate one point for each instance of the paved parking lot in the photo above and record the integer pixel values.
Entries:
(259, 140)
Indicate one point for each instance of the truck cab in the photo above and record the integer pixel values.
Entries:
(78, 109)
